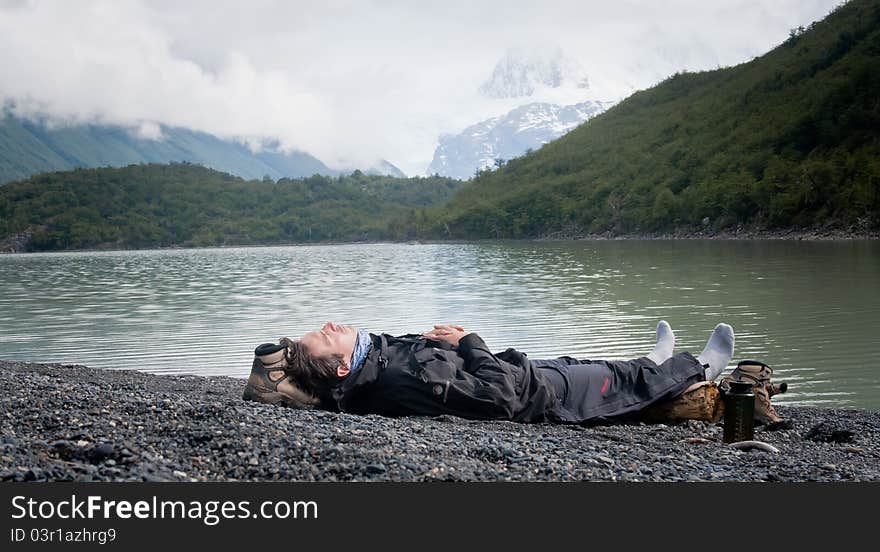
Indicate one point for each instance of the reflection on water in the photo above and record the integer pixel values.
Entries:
(807, 309)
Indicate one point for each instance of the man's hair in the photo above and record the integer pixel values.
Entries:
(312, 374)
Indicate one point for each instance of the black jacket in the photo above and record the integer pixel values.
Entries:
(412, 375)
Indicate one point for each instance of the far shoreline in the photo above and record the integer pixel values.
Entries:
(781, 235)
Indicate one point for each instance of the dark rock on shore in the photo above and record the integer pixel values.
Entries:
(77, 423)
(16, 243)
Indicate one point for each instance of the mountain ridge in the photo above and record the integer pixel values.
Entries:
(32, 147)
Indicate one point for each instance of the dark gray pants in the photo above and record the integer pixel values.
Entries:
(587, 389)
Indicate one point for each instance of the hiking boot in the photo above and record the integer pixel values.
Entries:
(759, 375)
(270, 383)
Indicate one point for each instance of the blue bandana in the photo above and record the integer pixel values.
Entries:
(361, 350)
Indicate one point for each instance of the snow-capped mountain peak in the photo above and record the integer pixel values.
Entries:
(523, 73)
(508, 136)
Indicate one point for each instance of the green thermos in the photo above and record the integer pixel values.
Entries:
(739, 412)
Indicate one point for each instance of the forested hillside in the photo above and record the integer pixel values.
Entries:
(188, 205)
(787, 140)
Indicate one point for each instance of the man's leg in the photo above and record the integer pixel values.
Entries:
(588, 389)
(607, 388)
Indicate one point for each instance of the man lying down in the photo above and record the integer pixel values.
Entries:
(451, 371)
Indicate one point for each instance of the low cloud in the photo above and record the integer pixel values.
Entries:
(349, 82)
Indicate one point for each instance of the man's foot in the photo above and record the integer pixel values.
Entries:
(270, 383)
(665, 343)
(718, 351)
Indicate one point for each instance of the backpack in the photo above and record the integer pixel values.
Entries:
(759, 375)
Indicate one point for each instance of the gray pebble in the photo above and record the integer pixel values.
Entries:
(124, 425)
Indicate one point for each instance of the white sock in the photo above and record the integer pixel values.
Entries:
(718, 351)
(665, 343)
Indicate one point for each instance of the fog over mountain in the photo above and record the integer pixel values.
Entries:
(31, 147)
(555, 95)
(353, 83)
(524, 72)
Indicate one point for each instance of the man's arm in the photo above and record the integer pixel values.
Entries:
(478, 359)
(449, 333)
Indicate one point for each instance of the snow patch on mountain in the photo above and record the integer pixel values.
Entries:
(526, 127)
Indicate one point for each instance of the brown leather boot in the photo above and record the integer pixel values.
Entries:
(270, 383)
(759, 375)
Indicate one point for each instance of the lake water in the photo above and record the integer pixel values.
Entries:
(809, 309)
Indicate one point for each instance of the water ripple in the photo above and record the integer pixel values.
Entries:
(808, 309)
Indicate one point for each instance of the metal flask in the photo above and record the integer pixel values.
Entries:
(739, 412)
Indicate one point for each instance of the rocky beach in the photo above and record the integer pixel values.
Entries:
(62, 423)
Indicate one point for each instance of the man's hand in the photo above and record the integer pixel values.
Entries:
(446, 332)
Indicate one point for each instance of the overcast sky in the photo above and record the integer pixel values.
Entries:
(350, 81)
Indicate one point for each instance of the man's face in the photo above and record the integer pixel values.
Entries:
(331, 339)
